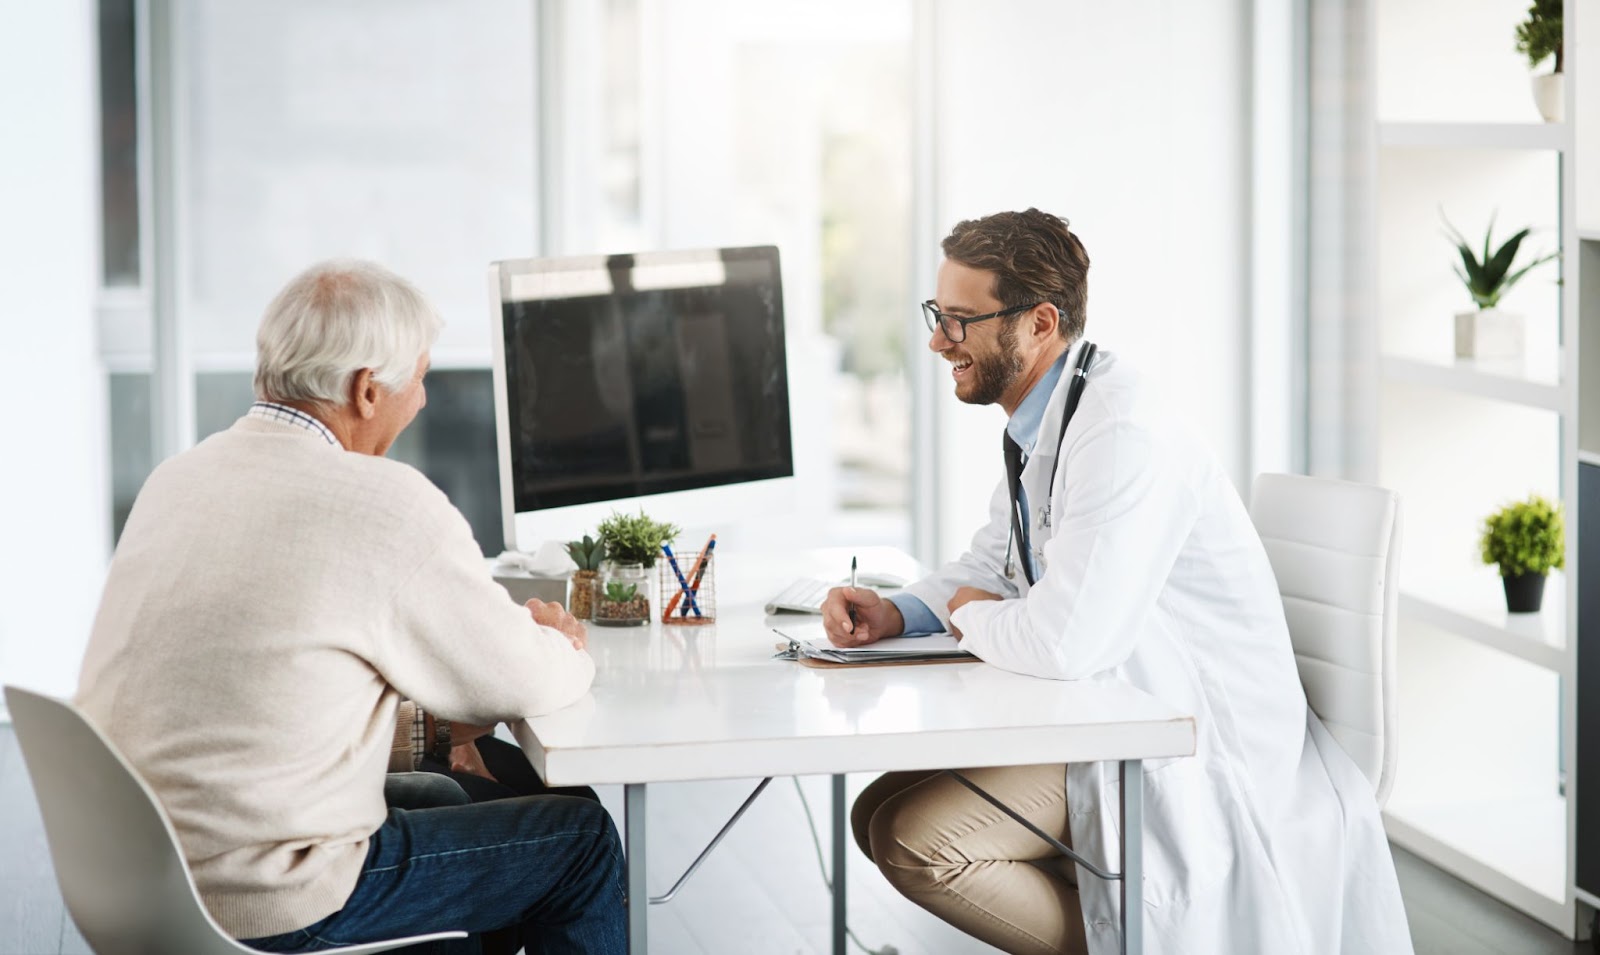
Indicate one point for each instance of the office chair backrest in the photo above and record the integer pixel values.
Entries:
(1335, 549)
(117, 858)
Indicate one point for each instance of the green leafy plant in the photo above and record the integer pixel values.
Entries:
(1540, 35)
(620, 593)
(635, 539)
(587, 553)
(1491, 277)
(1527, 537)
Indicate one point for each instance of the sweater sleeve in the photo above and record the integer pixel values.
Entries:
(462, 649)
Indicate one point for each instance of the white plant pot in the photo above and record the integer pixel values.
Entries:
(1548, 96)
(1489, 334)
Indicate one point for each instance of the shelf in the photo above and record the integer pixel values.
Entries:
(1501, 381)
(1529, 136)
(1513, 848)
(1589, 235)
(1474, 608)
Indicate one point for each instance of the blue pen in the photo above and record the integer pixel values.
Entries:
(682, 581)
(699, 574)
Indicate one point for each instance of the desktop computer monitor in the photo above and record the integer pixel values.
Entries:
(653, 380)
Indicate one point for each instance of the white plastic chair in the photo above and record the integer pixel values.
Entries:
(1335, 548)
(117, 858)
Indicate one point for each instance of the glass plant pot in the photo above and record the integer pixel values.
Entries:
(582, 589)
(623, 599)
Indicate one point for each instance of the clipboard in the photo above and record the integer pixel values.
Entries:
(809, 646)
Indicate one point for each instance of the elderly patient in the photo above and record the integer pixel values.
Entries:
(277, 591)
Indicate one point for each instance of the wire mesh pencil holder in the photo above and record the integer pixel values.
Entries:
(689, 591)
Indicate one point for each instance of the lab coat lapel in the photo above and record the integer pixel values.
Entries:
(1036, 474)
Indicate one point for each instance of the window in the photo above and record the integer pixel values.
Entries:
(784, 123)
(413, 139)
(321, 132)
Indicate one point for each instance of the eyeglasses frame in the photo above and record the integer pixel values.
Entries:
(936, 318)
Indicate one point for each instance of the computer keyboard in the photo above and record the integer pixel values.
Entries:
(804, 595)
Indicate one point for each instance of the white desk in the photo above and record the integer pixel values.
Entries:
(709, 702)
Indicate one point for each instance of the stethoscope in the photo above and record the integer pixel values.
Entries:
(1080, 378)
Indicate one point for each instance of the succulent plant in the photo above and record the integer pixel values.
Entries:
(587, 553)
(620, 593)
(1489, 278)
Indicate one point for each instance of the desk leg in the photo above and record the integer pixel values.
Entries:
(841, 815)
(1132, 772)
(638, 894)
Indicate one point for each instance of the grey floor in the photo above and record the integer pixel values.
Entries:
(761, 892)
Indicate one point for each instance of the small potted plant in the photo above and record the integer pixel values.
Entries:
(1489, 332)
(588, 555)
(1528, 540)
(632, 542)
(1538, 38)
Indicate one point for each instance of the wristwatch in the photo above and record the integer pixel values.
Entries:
(441, 738)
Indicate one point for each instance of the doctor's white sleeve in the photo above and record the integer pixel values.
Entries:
(1124, 510)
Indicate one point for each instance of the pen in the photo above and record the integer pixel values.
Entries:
(682, 582)
(698, 562)
(851, 602)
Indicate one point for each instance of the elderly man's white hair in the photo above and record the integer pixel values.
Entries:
(335, 319)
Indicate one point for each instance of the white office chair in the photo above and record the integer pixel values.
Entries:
(1335, 548)
(117, 858)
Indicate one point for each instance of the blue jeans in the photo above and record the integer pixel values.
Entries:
(551, 866)
(422, 791)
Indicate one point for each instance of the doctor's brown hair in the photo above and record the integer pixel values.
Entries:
(1034, 257)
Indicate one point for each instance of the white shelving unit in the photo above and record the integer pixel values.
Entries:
(1486, 715)
(1498, 381)
(1472, 608)
(1473, 135)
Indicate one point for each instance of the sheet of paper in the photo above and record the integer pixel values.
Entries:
(813, 634)
(929, 643)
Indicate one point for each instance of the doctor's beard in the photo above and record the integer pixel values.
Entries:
(993, 373)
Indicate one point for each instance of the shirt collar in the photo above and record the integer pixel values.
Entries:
(1024, 424)
(272, 411)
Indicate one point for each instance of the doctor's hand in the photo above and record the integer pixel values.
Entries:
(857, 616)
(555, 616)
(964, 596)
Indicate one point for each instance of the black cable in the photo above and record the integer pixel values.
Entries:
(821, 866)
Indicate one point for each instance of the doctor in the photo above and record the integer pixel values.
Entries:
(1122, 551)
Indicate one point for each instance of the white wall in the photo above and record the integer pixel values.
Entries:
(1130, 121)
(54, 488)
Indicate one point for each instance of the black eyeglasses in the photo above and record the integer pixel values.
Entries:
(955, 327)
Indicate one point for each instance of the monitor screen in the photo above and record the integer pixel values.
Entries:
(633, 375)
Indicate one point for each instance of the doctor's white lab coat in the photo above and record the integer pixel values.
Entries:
(1268, 840)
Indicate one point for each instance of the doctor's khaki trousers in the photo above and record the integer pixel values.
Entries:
(946, 849)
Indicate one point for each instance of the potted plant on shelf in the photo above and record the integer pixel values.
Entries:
(1528, 540)
(588, 555)
(1489, 332)
(1539, 37)
(632, 542)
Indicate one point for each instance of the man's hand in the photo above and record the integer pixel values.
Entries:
(465, 758)
(964, 596)
(555, 616)
(857, 616)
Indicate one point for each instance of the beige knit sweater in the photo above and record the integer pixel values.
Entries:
(271, 600)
